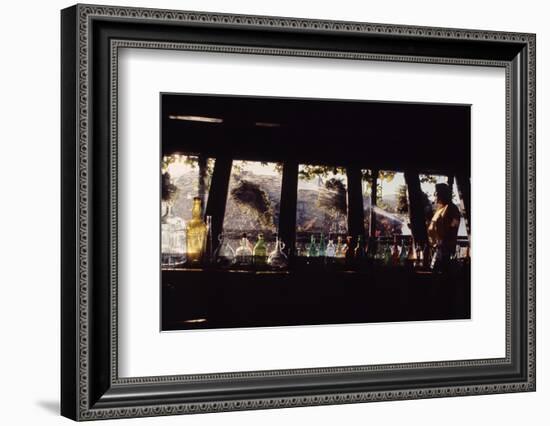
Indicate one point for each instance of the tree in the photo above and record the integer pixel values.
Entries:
(402, 200)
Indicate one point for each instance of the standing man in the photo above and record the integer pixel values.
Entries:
(443, 228)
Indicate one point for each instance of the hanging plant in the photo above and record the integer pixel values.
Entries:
(251, 198)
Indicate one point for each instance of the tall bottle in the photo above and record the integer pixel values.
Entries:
(196, 234)
(172, 238)
(404, 253)
(360, 253)
(260, 251)
(387, 258)
(312, 250)
(411, 255)
(348, 250)
(209, 244)
(322, 248)
(395, 251)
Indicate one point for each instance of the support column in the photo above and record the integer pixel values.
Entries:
(217, 196)
(356, 214)
(289, 195)
(416, 208)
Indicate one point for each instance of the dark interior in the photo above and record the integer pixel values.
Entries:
(410, 137)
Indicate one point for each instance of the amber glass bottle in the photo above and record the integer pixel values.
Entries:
(196, 234)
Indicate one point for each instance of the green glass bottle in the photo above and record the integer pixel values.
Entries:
(312, 250)
(322, 249)
(259, 253)
(404, 252)
(360, 251)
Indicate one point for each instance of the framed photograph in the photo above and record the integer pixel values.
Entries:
(263, 212)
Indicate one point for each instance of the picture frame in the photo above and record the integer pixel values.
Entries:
(91, 387)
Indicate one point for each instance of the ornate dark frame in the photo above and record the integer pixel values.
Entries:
(91, 37)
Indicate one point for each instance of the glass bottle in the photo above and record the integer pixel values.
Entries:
(196, 234)
(388, 255)
(322, 249)
(372, 248)
(359, 251)
(243, 254)
(173, 242)
(411, 255)
(209, 248)
(312, 250)
(395, 251)
(403, 254)
(260, 251)
(224, 254)
(330, 252)
(339, 253)
(277, 258)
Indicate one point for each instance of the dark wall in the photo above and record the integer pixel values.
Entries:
(431, 138)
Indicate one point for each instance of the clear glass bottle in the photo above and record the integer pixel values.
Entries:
(277, 259)
(243, 254)
(260, 251)
(330, 252)
(209, 244)
(173, 241)
(224, 254)
(196, 234)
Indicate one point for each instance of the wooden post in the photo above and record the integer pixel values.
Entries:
(373, 195)
(217, 197)
(289, 195)
(463, 185)
(356, 214)
(416, 208)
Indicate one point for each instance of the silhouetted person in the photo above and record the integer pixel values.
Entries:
(443, 228)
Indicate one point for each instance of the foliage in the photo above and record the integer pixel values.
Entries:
(309, 172)
(253, 199)
(402, 200)
(169, 190)
(334, 199)
(427, 179)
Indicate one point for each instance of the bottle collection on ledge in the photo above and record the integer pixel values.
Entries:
(192, 245)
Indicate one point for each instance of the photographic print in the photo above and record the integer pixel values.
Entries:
(295, 211)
